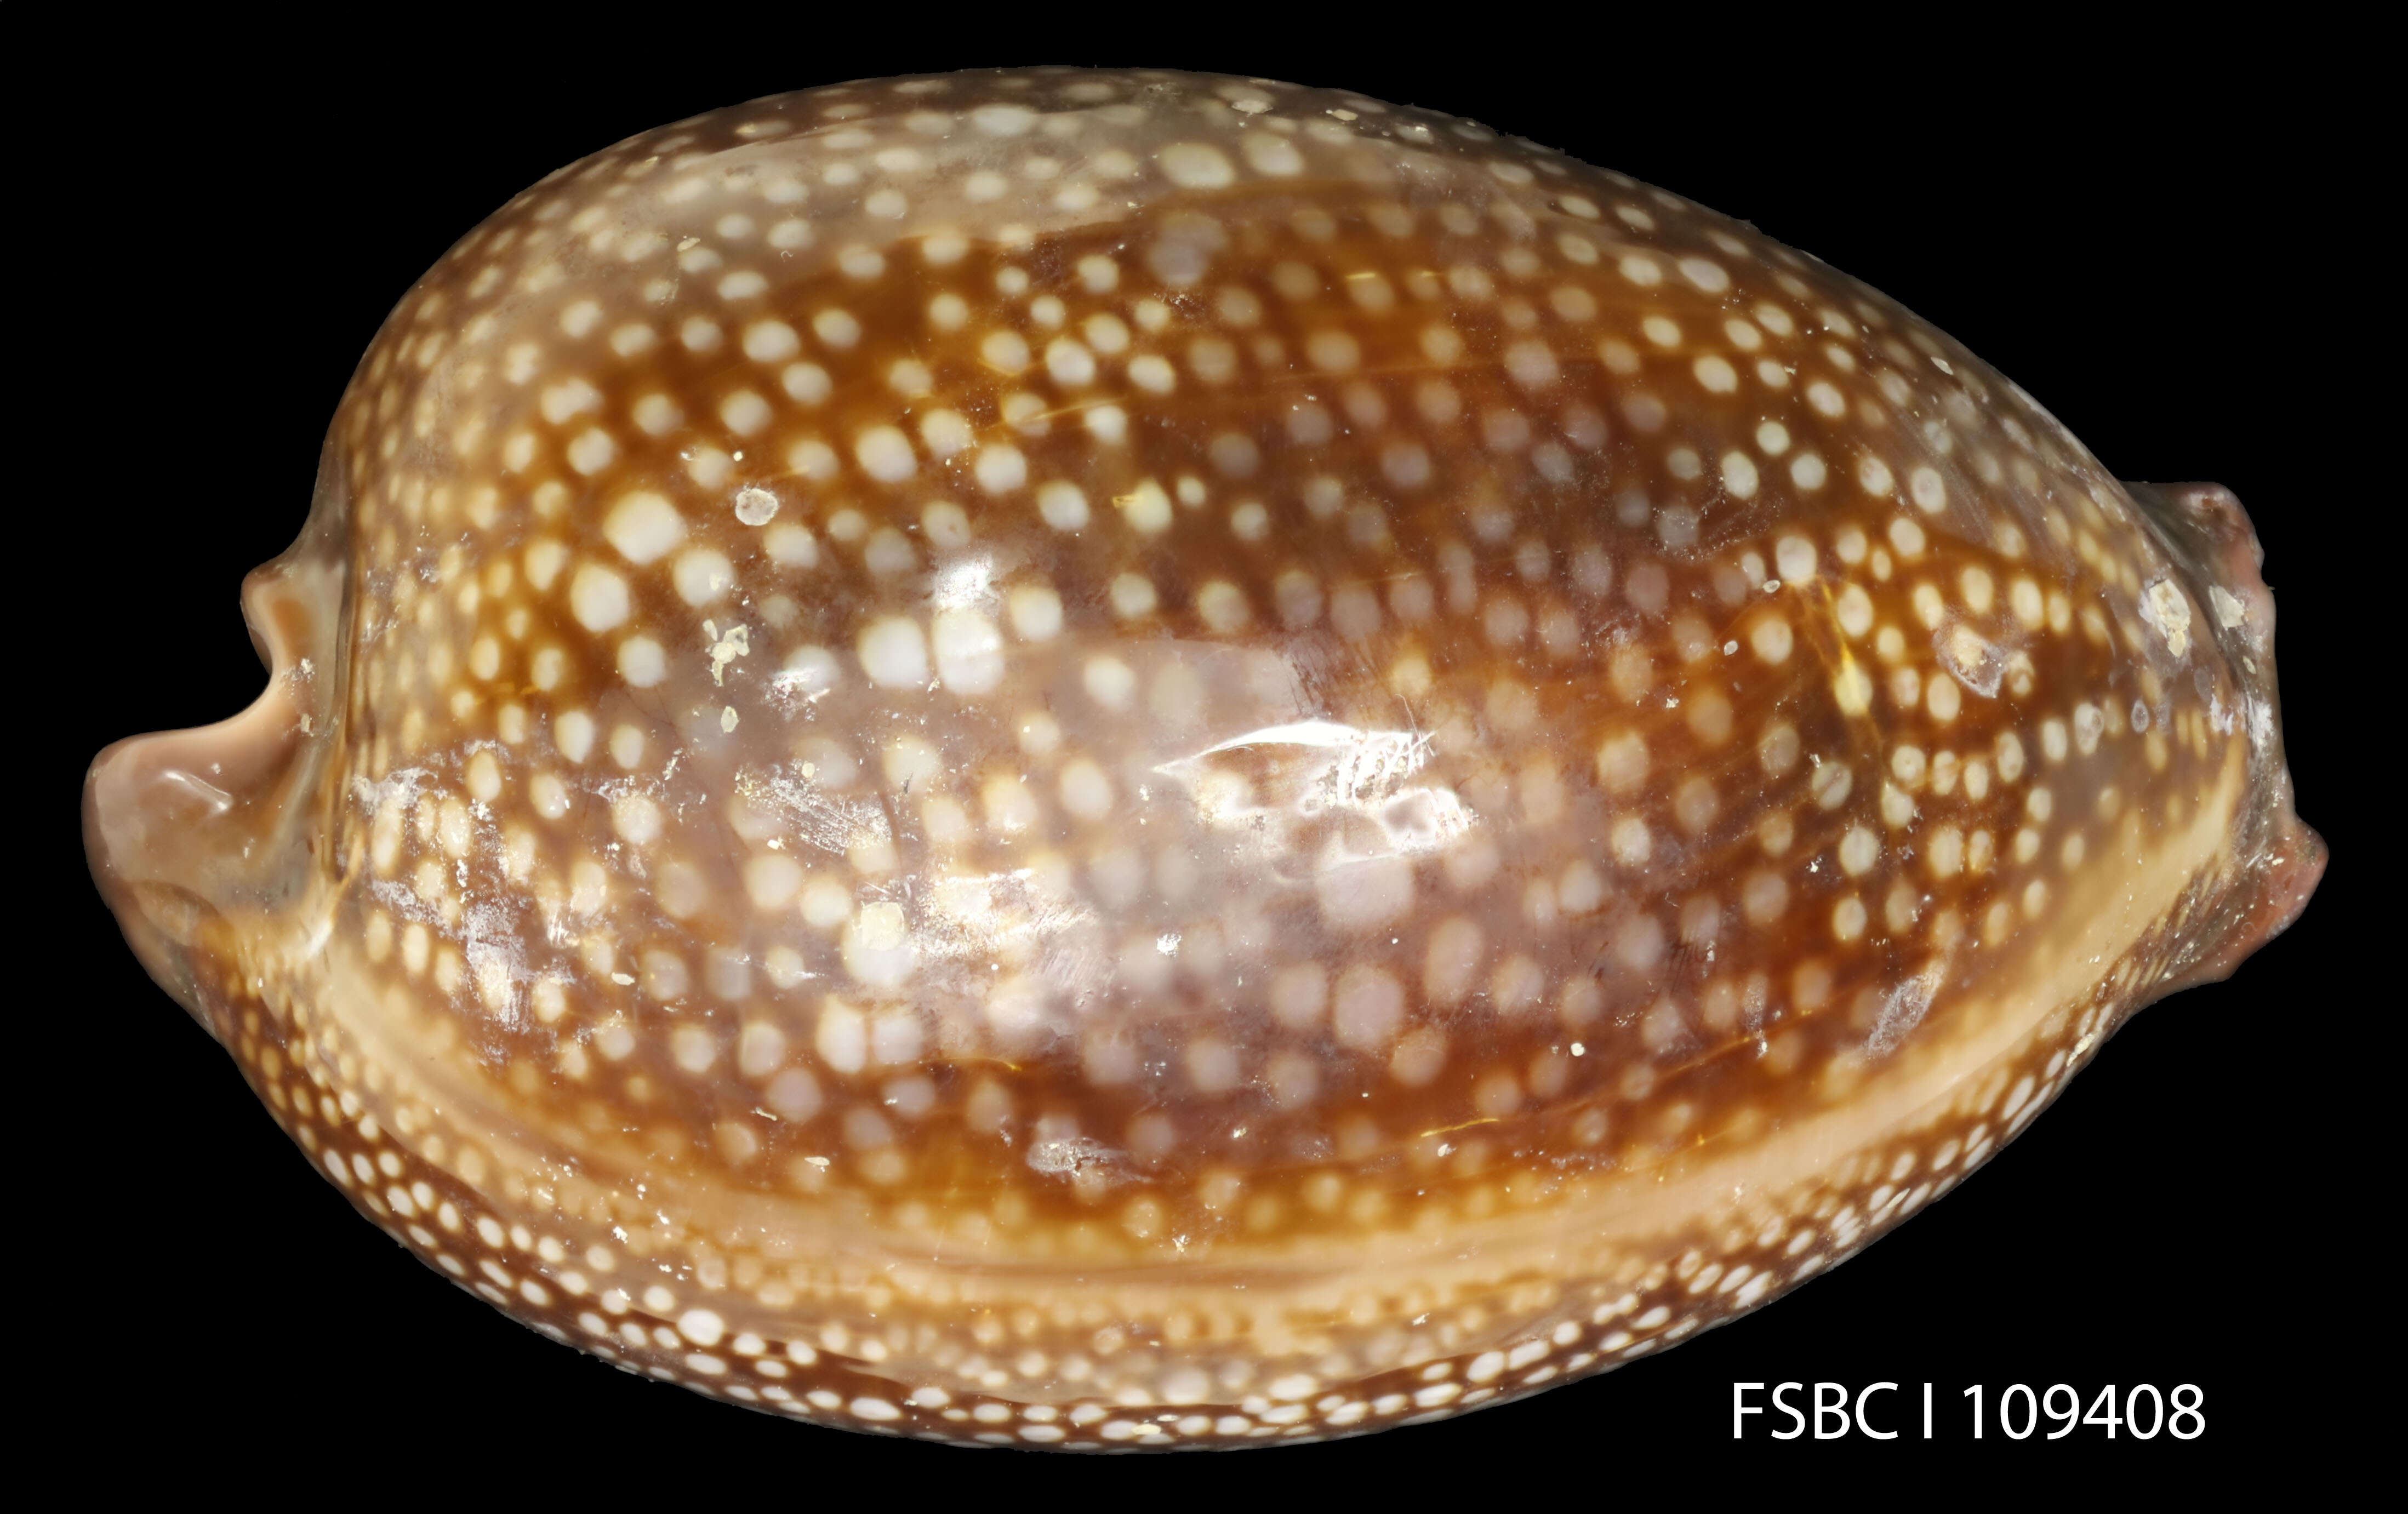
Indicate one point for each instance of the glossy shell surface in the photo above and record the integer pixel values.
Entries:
(1093, 760)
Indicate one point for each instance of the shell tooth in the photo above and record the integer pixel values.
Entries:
(917, 722)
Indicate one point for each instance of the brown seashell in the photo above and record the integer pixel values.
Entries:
(875, 789)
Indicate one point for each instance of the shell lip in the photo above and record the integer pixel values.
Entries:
(194, 835)
(2284, 869)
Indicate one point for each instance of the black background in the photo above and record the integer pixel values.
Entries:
(2168, 251)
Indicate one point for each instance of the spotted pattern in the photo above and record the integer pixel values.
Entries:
(905, 692)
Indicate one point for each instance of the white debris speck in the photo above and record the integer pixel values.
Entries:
(755, 505)
(736, 642)
(2165, 609)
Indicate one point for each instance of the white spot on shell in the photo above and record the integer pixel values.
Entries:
(895, 652)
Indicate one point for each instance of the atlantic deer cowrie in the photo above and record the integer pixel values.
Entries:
(919, 724)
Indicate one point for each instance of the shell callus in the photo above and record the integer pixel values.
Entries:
(1080, 759)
